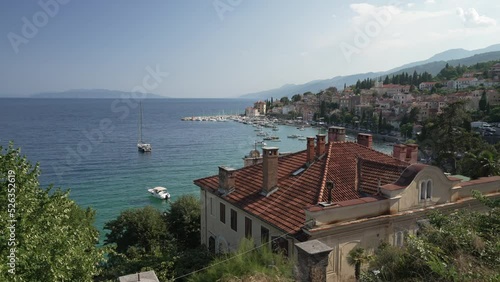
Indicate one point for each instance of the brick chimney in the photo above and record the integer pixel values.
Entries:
(310, 150)
(365, 139)
(399, 152)
(412, 153)
(269, 170)
(227, 179)
(320, 145)
(336, 134)
(330, 185)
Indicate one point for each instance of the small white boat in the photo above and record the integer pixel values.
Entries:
(261, 143)
(160, 193)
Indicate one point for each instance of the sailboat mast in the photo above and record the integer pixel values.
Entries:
(140, 122)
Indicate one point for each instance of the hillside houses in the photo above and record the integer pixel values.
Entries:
(426, 86)
(495, 72)
(393, 101)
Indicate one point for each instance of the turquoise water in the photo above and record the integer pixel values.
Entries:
(89, 146)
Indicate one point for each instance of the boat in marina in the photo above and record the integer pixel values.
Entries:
(142, 146)
(260, 143)
(262, 133)
(159, 192)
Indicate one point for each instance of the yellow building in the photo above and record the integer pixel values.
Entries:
(318, 204)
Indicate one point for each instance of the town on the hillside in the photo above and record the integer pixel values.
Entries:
(387, 105)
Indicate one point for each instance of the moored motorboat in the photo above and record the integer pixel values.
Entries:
(159, 192)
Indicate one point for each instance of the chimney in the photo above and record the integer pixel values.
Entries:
(269, 169)
(329, 186)
(365, 139)
(320, 145)
(399, 152)
(227, 179)
(412, 153)
(336, 134)
(310, 150)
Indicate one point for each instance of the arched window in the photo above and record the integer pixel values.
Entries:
(398, 240)
(429, 190)
(423, 190)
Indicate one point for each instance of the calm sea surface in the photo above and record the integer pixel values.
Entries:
(89, 146)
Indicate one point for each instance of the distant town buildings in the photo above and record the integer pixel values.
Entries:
(393, 101)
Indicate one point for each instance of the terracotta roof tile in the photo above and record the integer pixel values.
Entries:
(285, 207)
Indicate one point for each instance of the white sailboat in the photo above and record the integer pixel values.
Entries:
(141, 146)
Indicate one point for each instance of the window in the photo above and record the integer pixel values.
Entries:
(280, 245)
(264, 235)
(222, 213)
(429, 190)
(425, 190)
(234, 220)
(398, 238)
(248, 227)
(211, 244)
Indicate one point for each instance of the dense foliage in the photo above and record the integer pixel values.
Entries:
(50, 238)
(406, 79)
(462, 246)
(247, 264)
(147, 239)
(449, 142)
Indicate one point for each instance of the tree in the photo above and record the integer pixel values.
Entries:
(386, 80)
(483, 102)
(406, 130)
(53, 238)
(449, 137)
(141, 240)
(183, 219)
(142, 228)
(296, 98)
(285, 100)
(356, 257)
(486, 163)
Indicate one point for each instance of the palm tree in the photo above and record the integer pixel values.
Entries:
(483, 164)
(488, 164)
(356, 258)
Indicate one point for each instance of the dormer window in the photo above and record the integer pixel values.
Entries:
(425, 191)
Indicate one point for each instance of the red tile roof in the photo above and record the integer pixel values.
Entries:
(349, 165)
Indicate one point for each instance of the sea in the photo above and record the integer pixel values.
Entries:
(90, 146)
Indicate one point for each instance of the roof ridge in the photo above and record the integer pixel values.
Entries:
(400, 165)
(380, 153)
(319, 196)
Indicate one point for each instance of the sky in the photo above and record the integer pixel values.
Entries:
(224, 48)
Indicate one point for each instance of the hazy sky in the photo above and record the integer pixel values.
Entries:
(224, 48)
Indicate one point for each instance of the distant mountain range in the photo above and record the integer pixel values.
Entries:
(432, 65)
(92, 94)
